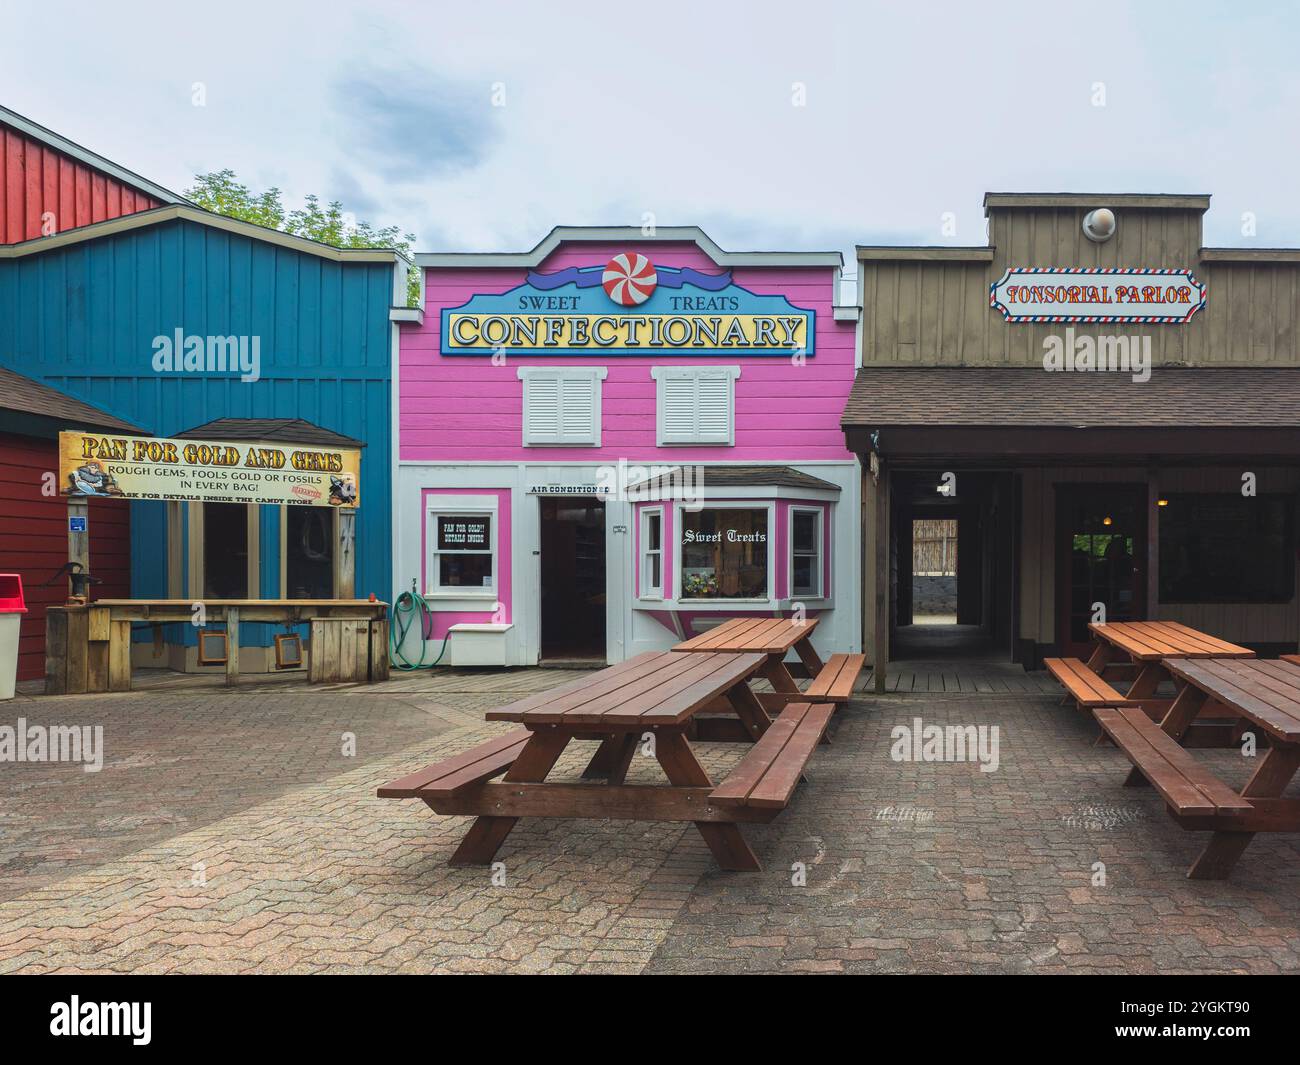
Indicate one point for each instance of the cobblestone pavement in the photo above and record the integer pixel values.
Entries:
(227, 832)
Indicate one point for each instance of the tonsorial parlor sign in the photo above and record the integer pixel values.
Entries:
(627, 306)
(146, 467)
(1097, 294)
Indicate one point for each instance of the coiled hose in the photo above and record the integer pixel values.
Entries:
(410, 609)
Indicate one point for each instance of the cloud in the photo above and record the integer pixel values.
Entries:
(406, 125)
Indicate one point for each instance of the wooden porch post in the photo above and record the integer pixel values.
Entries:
(880, 569)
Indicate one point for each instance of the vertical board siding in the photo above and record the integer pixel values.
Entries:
(463, 408)
(83, 319)
(938, 313)
(34, 541)
(36, 181)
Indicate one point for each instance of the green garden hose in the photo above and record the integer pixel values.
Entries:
(410, 609)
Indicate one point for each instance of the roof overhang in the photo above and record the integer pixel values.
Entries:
(182, 212)
(631, 235)
(1009, 447)
(1147, 201)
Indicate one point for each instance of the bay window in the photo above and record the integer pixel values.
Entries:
(724, 553)
(652, 554)
(806, 553)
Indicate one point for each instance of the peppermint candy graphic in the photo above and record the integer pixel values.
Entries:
(629, 279)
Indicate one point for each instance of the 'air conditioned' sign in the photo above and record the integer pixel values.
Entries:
(1099, 294)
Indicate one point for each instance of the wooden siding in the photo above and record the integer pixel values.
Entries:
(937, 313)
(34, 541)
(36, 180)
(83, 319)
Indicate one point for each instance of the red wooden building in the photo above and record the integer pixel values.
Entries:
(48, 184)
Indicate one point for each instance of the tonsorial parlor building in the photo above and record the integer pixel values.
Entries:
(1107, 411)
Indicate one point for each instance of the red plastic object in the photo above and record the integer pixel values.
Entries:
(11, 594)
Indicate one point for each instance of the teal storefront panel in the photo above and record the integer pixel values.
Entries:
(83, 318)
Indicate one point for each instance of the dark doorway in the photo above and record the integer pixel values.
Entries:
(1101, 537)
(309, 552)
(225, 550)
(573, 577)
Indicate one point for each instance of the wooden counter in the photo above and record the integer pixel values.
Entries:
(88, 647)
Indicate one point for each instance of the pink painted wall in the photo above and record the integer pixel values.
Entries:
(463, 408)
(439, 621)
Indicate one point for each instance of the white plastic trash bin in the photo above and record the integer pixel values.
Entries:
(12, 608)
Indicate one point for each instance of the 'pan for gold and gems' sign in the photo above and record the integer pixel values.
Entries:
(147, 467)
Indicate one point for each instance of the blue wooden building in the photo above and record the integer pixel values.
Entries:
(92, 311)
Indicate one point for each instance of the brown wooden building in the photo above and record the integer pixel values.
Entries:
(1162, 486)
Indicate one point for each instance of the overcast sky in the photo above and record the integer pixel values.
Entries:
(773, 125)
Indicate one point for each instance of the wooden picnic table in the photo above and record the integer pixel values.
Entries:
(645, 703)
(1149, 645)
(1266, 693)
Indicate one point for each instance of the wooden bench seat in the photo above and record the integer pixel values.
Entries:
(1187, 787)
(834, 683)
(767, 775)
(1084, 686)
(446, 778)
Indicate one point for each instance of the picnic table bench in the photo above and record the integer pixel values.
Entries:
(1267, 693)
(832, 681)
(645, 703)
(1145, 647)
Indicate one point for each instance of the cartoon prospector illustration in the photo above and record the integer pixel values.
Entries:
(343, 490)
(91, 479)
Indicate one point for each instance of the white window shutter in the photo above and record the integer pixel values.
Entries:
(577, 410)
(542, 409)
(713, 408)
(679, 409)
(696, 404)
(562, 406)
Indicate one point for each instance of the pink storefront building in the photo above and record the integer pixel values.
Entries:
(614, 440)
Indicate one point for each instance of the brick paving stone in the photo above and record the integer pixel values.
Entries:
(907, 866)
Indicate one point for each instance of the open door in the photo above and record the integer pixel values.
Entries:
(573, 577)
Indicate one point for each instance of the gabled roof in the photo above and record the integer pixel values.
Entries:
(24, 396)
(170, 213)
(272, 430)
(84, 155)
(631, 235)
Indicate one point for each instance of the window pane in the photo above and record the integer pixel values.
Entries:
(465, 571)
(724, 554)
(1227, 549)
(656, 572)
(652, 532)
(805, 531)
(805, 575)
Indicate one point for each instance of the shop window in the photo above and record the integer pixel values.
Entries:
(225, 550)
(464, 549)
(652, 554)
(724, 553)
(562, 406)
(806, 553)
(1226, 548)
(309, 552)
(695, 404)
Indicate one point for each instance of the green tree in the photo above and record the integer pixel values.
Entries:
(222, 193)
